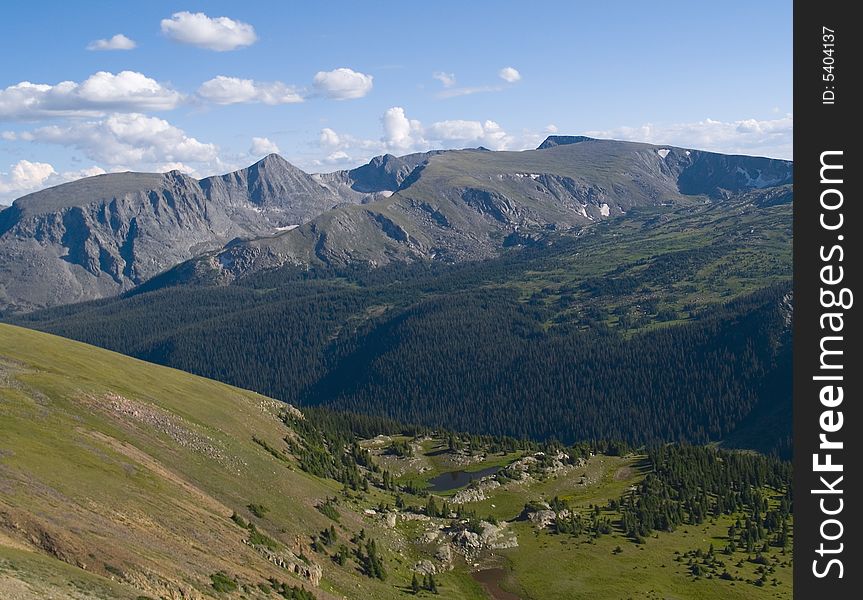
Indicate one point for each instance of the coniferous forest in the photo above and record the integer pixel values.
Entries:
(649, 344)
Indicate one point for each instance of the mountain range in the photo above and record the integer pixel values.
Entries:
(462, 374)
(104, 235)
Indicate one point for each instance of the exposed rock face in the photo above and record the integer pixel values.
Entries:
(103, 235)
(468, 204)
(444, 555)
(497, 537)
(561, 140)
(386, 172)
(425, 567)
(475, 493)
(491, 537)
(274, 188)
(542, 518)
(293, 564)
(390, 519)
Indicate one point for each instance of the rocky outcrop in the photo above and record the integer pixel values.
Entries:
(425, 567)
(444, 555)
(542, 518)
(489, 537)
(311, 572)
(476, 492)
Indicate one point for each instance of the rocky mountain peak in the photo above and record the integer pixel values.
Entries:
(563, 140)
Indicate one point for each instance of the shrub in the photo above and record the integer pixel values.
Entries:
(256, 538)
(222, 582)
(328, 509)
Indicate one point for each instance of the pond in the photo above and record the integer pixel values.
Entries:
(457, 479)
(490, 580)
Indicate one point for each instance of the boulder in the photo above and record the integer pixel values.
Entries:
(425, 567)
(542, 518)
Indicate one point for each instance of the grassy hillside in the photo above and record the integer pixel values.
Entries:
(118, 479)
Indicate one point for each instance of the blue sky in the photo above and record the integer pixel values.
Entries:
(328, 85)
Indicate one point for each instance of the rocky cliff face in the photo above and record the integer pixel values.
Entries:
(470, 204)
(103, 235)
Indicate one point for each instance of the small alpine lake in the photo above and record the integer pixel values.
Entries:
(455, 479)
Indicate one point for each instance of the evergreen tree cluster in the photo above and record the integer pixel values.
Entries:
(689, 484)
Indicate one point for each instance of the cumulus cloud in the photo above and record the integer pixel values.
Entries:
(117, 42)
(342, 84)
(262, 146)
(178, 166)
(486, 133)
(23, 177)
(339, 157)
(771, 137)
(400, 133)
(81, 173)
(509, 74)
(99, 93)
(329, 138)
(447, 79)
(219, 33)
(233, 90)
(127, 139)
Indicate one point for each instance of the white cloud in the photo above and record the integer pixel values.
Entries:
(447, 79)
(509, 74)
(232, 90)
(400, 133)
(177, 166)
(262, 146)
(338, 157)
(219, 33)
(117, 42)
(486, 133)
(550, 128)
(101, 92)
(24, 176)
(128, 139)
(343, 84)
(772, 137)
(329, 138)
(81, 173)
